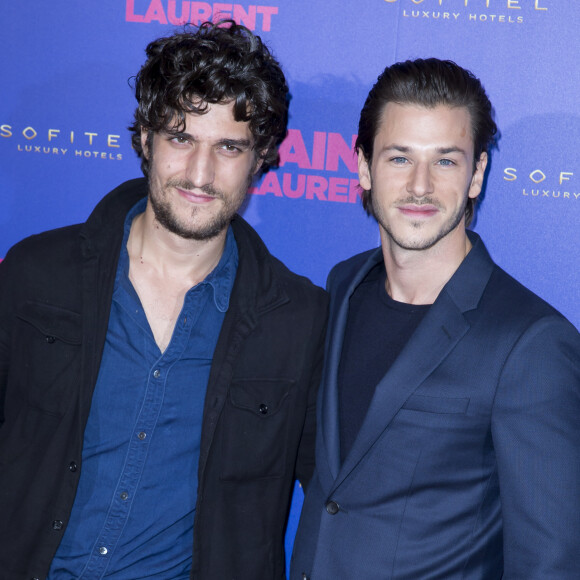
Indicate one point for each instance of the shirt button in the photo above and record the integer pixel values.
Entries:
(156, 373)
(72, 466)
(57, 525)
(142, 435)
(263, 409)
(124, 495)
(103, 550)
(332, 508)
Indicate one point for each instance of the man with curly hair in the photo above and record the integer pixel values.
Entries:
(158, 367)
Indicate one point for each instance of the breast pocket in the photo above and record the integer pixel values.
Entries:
(255, 429)
(47, 342)
(439, 405)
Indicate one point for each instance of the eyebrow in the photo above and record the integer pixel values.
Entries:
(440, 150)
(241, 143)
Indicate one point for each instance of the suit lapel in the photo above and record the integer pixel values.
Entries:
(328, 454)
(439, 332)
(437, 335)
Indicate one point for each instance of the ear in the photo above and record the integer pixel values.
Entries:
(144, 146)
(477, 177)
(259, 162)
(364, 171)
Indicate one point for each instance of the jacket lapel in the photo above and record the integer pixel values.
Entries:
(328, 454)
(439, 332)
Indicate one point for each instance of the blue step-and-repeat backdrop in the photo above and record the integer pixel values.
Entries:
(66, 100)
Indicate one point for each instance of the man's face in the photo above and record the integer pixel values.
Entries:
(198, 178)
(421, 174)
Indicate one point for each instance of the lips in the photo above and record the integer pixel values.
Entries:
(200, 198)
(418, 211)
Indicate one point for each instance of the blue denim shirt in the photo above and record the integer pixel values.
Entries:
(135, 504)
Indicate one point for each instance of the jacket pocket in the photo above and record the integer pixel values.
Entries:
(428, 404)
(255, 429)
(47, 349)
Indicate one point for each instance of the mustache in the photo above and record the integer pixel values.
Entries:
(208, 189)
(427, 200)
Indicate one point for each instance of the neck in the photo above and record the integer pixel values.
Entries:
(418, 276)
(166, 254)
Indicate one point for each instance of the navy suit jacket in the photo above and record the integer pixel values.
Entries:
(467, 464)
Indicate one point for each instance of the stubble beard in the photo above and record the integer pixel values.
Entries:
(159, 196)
(423, 243)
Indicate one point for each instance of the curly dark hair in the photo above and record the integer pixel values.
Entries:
(428, 83)
(213, 63)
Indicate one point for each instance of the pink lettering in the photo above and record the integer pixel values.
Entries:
(172, 16)
(130, 15)
(199, 12)
(287, 186)
(270, 184)
(318, 150)
(222, 12)
(315, 187)
(338, 188)
(267, 12)
(338, 149)
(156, 12)
(293, 150)
(248, 19)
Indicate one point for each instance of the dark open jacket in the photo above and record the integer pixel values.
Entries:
(259, 420)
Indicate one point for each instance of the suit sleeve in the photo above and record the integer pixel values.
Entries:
(536, 435)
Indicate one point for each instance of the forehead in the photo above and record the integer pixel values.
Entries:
(217, 122)
(439, 126)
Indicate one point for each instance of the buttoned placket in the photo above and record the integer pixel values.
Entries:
(142, 433)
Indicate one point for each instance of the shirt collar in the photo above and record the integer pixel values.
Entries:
(222, 277)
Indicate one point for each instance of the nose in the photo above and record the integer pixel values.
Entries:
(420, 182)
(200, 167)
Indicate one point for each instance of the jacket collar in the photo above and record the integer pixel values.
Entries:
(256, 287)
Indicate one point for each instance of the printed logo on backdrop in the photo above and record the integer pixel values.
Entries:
(483, 11)
(66, 143)
(180, 12)
(543, 183)
(320, 167)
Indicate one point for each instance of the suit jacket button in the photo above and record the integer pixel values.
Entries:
(57, 525)
(332, 508)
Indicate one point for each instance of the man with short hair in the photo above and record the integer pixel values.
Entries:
(158, 367)
(448, 437)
